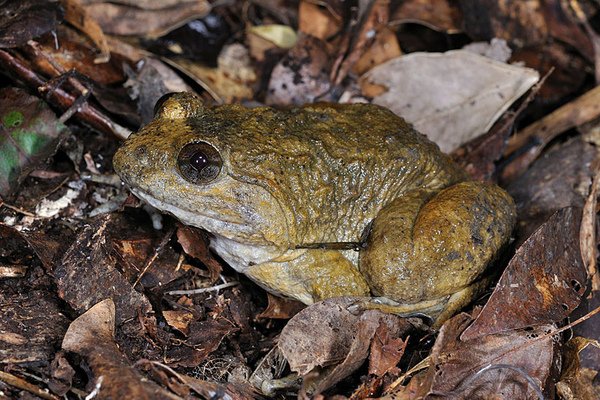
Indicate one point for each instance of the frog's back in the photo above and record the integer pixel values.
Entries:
(335, 166)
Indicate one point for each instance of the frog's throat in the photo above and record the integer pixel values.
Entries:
(201, 219)
(241, 256)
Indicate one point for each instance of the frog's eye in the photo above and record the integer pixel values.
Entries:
(199, 162)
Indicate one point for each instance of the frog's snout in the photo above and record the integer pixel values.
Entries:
(130, 160)
(118, 161)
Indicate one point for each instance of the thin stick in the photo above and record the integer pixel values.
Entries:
(17, 209)
(575, 113)
(62, 99)
(204, 290)
(20, 383)
(157, 251)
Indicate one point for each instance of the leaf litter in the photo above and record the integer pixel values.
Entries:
(174, 303)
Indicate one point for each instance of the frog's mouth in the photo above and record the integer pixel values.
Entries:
(233, 248)
(223, 224)
(198, 218)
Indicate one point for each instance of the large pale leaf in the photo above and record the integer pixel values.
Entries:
(451, 97)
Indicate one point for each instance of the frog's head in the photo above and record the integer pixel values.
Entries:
(181, 164)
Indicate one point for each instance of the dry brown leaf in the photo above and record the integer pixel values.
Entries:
(281, 36)
(373, 17)
(386, 350)
(153, 80)
(524, 23)
(91, 336)
(25, 20)
(234, 60)
(281, 308)
(179, 319)
(497, 366)
(87, 274)
(320, 22)
(384, 48)
(131, 53)
(222, 86)
(559, 178)
(120, 19)
(76, 15)
(593, 37)
(195, 243)
(74, 52)
(451, 97)
(204, 338)
(328, 334)
(32, 322)
(62, 374)
(511, 20)
(536, 136)
(320, 335)
(478, 157)
(542, 284)
(96, 324)
(265, 38)
(144, 4)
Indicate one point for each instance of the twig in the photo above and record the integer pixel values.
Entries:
(569, 326)
(20, 383)
(157, 251)
(424, 363)
(17, 209)
(575, 113)
(204, 290)
(62, 99)
(587, 231)
(61, 76)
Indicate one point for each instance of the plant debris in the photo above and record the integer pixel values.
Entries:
(145, 308)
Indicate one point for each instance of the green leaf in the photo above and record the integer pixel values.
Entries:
(29, 135)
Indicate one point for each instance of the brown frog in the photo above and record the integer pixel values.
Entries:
(322, 200)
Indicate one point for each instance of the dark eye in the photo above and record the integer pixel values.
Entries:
(161, 101)
(199, 162)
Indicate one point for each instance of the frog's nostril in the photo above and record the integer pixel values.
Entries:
(141, 155)
(140, 151)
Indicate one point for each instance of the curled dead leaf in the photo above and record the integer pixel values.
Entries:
(327, 334)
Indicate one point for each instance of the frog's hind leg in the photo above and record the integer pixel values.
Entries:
(427, 251)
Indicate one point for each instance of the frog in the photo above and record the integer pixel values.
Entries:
(323, 200)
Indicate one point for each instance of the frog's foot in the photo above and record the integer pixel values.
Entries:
(310, 275)
(436, 311)
(426, 309)
(428, 252)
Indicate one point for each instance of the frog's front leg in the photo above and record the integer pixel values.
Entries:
(310, 275)
(428, 251)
